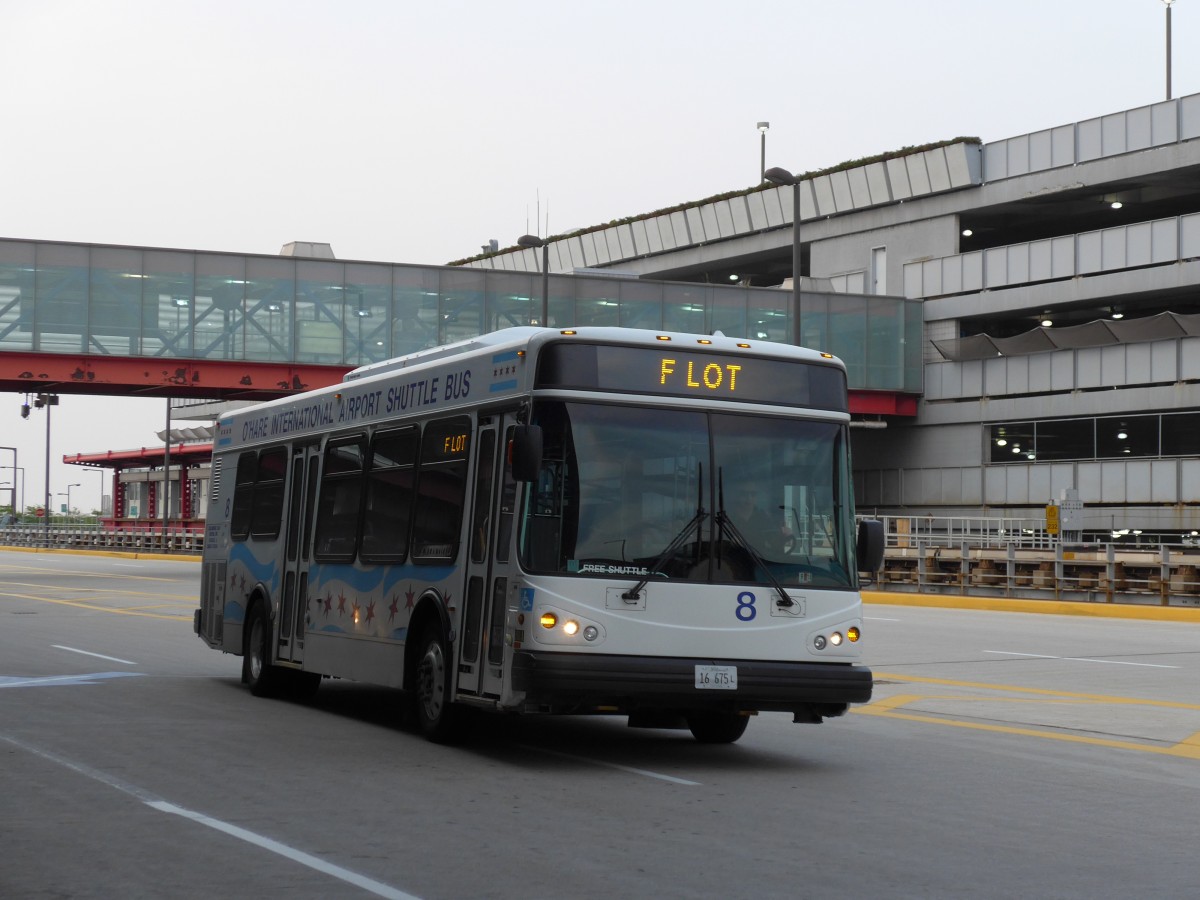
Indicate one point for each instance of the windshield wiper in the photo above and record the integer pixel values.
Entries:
(726, 525)
(700, 516)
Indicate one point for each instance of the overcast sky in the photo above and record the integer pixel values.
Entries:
(408, 131)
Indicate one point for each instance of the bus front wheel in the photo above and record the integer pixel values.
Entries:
(257, 670)
(717, 727)
(437, 716)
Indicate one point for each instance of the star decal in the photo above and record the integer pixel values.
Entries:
(341, 604)
(328, 604)
(354, 608)
(408, 596)
(393, 608)
(370, 612)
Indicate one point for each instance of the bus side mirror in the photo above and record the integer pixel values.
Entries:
(525, 452)
(870, 545)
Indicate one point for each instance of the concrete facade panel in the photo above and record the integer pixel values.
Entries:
(1164, 123)
(1063, 140)
(898, 179)
(918, 175)
(1164, 481)
(843, 196)
(1164, 361)
(741, 214)
(995, 161)
(938, 169)
(1189, 357)
(877, 183)
(695, 223)
(1087, 368)
(757, 210)
(1189, 478)
(823, 195)
(653, 238)
(1089, 482)
(1189, 117)
(860, 192)
(1089, 144)
(1138, 129)
(1018, 155)
(679, 226)
(666, 232)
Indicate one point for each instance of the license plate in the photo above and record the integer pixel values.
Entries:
(716, 678)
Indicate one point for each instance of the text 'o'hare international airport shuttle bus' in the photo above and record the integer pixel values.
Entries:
(591, 520)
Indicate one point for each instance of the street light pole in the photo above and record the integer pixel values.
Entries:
(779, 176)
(762, 128)
(69, 486)
(1168, 3)
(532, 241)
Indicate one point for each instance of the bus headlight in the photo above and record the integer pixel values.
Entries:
(819, 642)
(570, 628)
(836, 639)
(591, 633)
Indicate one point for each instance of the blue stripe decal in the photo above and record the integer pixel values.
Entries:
(504, 357)
(503, 386)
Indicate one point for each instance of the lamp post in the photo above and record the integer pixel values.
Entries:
(100, 504)
(532, 241)
(1168, 5)
(69, 486)
(779, 176)
(762, 129)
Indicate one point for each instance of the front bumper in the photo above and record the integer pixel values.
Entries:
(561, 681)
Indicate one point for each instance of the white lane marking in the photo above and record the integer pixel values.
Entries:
(97, 655)
(367, 884)
(9, 681)
(879, 619)
(305, 859)
(1111, 662)
(128, 566)
(599, 762)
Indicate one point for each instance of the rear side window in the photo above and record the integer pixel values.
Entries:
(267, 512)
(243, 496)
(340, 503)
(390, 482)
(441, 488)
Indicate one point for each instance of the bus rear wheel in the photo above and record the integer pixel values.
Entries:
(439, 719)
(717, 727)
(257, 670)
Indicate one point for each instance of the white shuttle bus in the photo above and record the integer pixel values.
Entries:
(591, 520)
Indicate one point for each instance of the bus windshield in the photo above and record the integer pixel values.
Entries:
(651, 493)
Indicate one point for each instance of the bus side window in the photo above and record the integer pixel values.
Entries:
(340, 501)
(389, 495)
(243, 496)
(441, 490)
(267, 512)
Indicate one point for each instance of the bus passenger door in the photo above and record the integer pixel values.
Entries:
(293, 607)
(479, 669)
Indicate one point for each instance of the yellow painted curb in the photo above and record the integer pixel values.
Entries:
(1051, 607)
(119, 554)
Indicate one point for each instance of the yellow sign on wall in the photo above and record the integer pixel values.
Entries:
(1052, 518)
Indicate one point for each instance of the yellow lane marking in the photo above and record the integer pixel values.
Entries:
(92, 606)
(1045, 692)
(96, 590)
(890, 708)
(1052, 607)
(87, 574)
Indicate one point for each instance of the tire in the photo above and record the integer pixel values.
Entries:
(440, 721)
(257, 671)
(717, 727)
